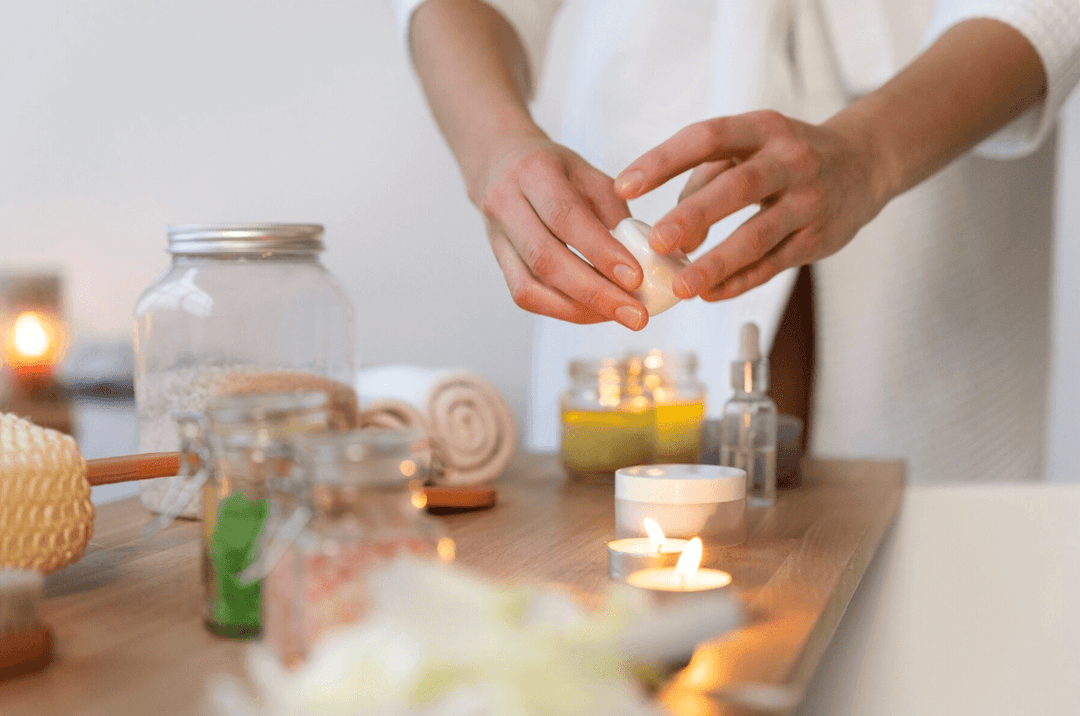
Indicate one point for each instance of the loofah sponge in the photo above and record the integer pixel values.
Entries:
(46, 517)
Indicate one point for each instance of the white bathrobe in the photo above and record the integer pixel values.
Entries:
(933, 324)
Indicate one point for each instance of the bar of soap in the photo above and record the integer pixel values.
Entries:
(659, 270)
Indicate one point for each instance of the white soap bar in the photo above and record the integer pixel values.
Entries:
(659, 270)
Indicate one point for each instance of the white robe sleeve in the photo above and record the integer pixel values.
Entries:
(1053, 28)
(531, 19)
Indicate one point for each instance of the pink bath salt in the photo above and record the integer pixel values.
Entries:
(308, 595)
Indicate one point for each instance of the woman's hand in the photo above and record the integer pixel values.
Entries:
(539, 198)
(816, 185)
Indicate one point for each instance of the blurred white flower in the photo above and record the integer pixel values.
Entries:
(442, 642)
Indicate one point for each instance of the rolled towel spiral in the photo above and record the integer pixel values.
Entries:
(469, 425)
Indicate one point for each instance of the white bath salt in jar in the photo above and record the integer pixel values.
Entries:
(707, 501)
(241, 309)
(658, 270)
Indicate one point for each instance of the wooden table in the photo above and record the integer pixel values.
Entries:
(129, 638)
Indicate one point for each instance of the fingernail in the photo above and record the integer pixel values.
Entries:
(630, 182)
(625, 276)
(664, 238)
(687, 284)
(630, 316)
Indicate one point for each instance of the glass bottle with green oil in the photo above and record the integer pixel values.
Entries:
(680, 405)
(608, 418)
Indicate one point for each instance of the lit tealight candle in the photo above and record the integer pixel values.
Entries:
(632, 554)
(686, 576)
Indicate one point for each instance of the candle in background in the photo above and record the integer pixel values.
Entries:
(680, 405)
(686, 576)
(33, 337)
(631, 554)
(608, 418)
(32, 328)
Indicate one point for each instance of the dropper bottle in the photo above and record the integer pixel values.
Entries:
(748, 426)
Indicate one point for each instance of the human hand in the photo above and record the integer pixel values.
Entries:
(817, 185)
(538, 198)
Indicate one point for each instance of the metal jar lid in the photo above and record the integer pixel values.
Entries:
(244, 238)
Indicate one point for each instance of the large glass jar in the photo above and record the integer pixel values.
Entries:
(671, 376)
(242, 308)
(244, 444)
(361, 506)
(607, 418)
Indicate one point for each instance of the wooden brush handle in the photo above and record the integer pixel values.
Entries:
(108, 470)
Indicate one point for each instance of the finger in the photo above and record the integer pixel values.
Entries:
(711, 140)
(572, 221)
(530, 294)
(791, 252)
(748, 244)
(703, 174)
(554, 265)
(598, 191)
(751, 182)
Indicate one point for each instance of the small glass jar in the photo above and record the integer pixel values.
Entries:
(607, 418)
(361, 506)
(242, 308)
(243, 444)
(680, 405)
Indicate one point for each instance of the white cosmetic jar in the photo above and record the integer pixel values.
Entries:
(707, 501)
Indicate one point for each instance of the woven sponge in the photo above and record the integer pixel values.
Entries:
(46, 517)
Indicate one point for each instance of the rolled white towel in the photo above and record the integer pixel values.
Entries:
(470, 427)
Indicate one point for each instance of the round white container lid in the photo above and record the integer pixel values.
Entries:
(680, 484)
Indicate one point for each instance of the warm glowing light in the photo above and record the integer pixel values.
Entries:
(447, 549)
(33, 340)
(689, 560)
(609, 385)
(408, 468)
(417, 497)
(657, 540)
(32, 337)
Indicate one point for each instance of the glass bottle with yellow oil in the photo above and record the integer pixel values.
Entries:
(608, 418)
(671, 377)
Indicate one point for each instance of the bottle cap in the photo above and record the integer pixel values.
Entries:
(749, 347)
(750, 373)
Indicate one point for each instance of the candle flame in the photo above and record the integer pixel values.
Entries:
(31, 335)
(33, 340)
(689, 560)
(656, 535)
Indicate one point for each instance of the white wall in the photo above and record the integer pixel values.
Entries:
(1063, 464)
(117, 118)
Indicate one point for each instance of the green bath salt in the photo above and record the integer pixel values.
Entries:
(236, 609)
